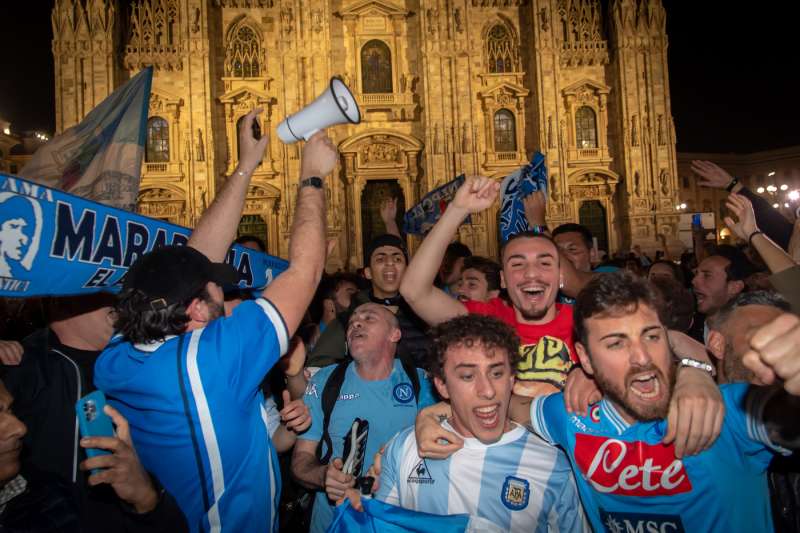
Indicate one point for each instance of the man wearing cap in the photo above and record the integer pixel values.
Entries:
(386, 258)
(187, 377)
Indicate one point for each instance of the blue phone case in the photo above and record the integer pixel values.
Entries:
(93, 422)
(697, 220)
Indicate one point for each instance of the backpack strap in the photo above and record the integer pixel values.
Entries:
(330, 393)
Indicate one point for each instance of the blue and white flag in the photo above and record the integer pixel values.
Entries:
(54, 243)
(382, 517)
(515, 187)
(101, 157)
(420, 219)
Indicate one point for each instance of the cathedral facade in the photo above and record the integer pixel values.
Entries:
(445, 87)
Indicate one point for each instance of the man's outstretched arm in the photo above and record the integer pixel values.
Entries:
(429, 302)
(216, 229)
(292, 290)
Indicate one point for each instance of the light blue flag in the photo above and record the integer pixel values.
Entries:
(101, 157)
(54, 243)
(515, 187)
(380, 517)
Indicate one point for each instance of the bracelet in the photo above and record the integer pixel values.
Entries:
(750, 238)
(732, 184)
(699, 365)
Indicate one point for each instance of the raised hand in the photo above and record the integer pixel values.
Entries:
(121, 469)
(10, 353)
(711, 175)
(295, 414)
(773, 353)
(319, 156)
(746, 217)
(388, 210)
(251, 150)
(476, 194)
(535, 205)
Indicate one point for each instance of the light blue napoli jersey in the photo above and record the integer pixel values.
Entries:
(197, 416)
(629, 481)
(519, 483)
(388, 405)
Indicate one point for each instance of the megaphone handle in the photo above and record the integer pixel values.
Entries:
(310, 134)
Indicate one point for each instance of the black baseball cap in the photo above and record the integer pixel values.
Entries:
(174, 274)
(387, 239)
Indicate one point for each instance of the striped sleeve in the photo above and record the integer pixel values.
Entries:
(538, 418)
(755, 402)
(391, 463)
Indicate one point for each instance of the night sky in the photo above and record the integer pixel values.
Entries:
(734, 73)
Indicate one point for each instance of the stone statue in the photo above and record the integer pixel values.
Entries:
(637, 190)
(663, 179)
(200, 152)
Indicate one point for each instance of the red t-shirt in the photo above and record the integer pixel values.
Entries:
(547, 352)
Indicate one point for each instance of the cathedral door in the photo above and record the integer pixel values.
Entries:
(592, 214)
(374, 193)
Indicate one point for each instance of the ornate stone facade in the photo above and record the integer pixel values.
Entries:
(445, 87)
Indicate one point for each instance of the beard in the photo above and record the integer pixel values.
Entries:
(534, 314)
(628, 403)
(732, 367)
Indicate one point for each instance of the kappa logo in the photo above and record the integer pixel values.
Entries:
(403, 392)
(311, 390)
(516, 493)
(421, 475)
(641, 523)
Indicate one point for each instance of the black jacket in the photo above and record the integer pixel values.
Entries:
(331, 347)
(45, 387)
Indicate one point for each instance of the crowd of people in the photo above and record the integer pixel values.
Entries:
(548, 388)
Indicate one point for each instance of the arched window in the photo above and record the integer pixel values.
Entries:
(157, 141)
(243, 54)
(505, 131)
(586, 127)
(376, 67)
(500, 50)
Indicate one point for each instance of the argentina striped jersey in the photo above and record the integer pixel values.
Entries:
(519, 483)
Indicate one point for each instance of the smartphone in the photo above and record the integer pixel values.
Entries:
(256, 129)
(697, 220)
(93, 421)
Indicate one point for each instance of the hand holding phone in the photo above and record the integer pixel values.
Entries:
(93, 421)
(697, 220)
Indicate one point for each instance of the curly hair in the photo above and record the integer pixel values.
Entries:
(614, 293)
(470, 330)
(141, 323)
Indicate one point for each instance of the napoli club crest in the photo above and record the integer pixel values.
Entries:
(516, 493)
(403, 392)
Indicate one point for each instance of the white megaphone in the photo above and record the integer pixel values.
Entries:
(335, 106)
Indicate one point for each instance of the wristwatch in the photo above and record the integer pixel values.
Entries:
(732, 184)
(313, 181)
(699, 365)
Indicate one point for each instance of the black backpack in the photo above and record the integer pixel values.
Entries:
(331, 392)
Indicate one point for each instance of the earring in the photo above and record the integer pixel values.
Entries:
(561, 284)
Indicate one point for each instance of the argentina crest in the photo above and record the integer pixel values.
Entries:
(516, 493)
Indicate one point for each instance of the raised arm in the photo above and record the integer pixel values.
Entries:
(216, 229)
(292, 290)
(746, 229)
(429, 302)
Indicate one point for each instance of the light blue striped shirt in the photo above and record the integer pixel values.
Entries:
(519, 483)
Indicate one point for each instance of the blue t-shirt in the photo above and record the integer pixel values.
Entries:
(197, 417)
(388, 405)
(519, 483)
(629, 481)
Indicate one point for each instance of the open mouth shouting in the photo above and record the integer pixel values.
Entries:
(646, 386)
(488, 417)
